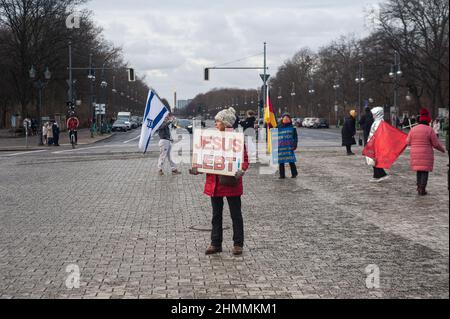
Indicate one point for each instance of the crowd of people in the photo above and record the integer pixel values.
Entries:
(423, 138)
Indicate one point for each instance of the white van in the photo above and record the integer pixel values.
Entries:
(126, 117)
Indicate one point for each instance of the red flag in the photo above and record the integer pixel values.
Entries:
(386, 145)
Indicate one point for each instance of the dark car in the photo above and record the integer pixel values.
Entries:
(321, 123)
(186, 124)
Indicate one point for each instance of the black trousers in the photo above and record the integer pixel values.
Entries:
(378, 173)
(422, 178)
(293, 170)
(236, 216)
(349, 148)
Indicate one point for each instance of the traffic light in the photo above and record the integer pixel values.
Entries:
(131, 75)
(206, 74)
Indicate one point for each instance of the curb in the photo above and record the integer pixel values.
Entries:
(31, 149)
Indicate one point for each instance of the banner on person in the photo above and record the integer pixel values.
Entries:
(219, 153)
(155, 112)
(282, 145)
(386, 145)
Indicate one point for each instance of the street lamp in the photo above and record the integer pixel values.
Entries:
(311, 92)
(40, 84)
(360, 80)
(336, 87)
(395, 73)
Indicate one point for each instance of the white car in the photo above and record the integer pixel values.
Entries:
(309, 122)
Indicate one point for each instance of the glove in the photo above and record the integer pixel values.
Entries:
(239, 174)
(193, 171)
(294, 149)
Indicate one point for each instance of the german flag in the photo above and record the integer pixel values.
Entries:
(270, 120)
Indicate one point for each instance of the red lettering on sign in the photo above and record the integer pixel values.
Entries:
(208, 162)
(230, 163)
(219, 163)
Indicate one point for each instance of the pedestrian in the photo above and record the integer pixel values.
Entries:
(49, 134)
(165, 147)
(56, 132)
(349, 131)
(366, 122)
(45, 133)
(249, 121)
(217, 187)
(422, 139)
(436, 127)
(286, 122)
(445, 127)
(379, 174)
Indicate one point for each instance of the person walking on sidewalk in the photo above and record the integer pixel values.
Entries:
(379, 174)
(422, 140)
(286, 122)
(165, 147)
(55, 128)
(217, 187)
(436, 127)
(44, 133)
(49, 134)
(366, 123)
(349, 131)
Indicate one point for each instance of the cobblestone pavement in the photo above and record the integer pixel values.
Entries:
(130, 231)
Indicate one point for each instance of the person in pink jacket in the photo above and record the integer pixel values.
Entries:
(422, 140)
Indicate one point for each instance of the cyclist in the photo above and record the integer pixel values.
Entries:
(72, 126)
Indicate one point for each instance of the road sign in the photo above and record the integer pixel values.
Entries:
(100, 109)
(262, 77)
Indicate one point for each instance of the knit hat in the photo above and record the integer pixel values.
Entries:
(424, 115)
(227, 117)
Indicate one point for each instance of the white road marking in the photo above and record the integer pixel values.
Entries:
(89, 148)
(24, 153)
(126, 142)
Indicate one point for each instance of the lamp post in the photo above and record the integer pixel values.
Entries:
(293, 96)
(279, 98)
(360, 80)
(311, 92)
(336, 87)
(395, 73)
(91, 77)
(40, 83)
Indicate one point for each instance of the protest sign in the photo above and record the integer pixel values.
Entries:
(219, 153)
(282, 143)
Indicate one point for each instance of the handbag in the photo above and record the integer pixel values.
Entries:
(228, 180)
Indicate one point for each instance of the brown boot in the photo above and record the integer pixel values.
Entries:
(213, 250)
(237, 250)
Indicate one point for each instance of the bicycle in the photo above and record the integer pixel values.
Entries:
(72, 138)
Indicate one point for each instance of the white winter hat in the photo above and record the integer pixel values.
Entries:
(227, 117)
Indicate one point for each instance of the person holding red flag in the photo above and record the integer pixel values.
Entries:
(385, 144)
(422, 140)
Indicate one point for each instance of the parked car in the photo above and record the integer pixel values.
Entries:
(322, 123)
(297, 122)
(119, 125)
(137, 120)
(308, 122)
(184, 123)
(133, 123)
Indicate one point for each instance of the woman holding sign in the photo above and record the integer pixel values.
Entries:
(219, 186)
(286, 125)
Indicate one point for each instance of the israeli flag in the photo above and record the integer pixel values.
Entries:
(155, 112)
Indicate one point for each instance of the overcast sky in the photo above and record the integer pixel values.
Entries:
(172, 41)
